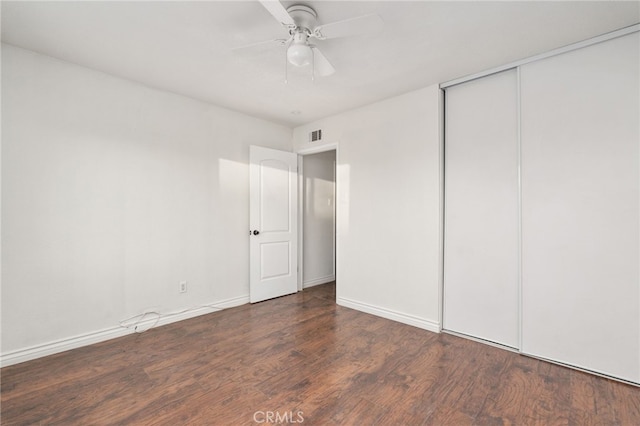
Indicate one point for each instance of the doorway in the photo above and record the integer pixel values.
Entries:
(317, 174)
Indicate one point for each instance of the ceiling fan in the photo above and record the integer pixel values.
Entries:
(300, 21)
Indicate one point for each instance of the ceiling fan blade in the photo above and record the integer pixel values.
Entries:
(277, 10)
(365, 24)
(322, 65)
(267, 44)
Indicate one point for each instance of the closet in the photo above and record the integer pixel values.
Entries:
(542, 207)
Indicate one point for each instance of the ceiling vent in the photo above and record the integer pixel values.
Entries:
(315, 136)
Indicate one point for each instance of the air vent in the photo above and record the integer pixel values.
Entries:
(315, 136)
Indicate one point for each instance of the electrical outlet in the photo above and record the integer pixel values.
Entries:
(183, 286)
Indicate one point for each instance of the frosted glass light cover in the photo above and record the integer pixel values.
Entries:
(299, 55)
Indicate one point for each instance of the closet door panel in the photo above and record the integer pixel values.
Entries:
(481, 209)
(580, 208)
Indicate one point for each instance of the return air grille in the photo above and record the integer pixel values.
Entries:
(315, 136)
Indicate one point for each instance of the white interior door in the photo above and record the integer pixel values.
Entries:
(273, 180)
(481, 275)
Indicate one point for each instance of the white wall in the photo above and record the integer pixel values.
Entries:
(388, 205)
(318, 218)
(113, 193)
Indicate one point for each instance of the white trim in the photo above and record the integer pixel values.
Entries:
(318, 149)
(441, 209)
(575, 46)
(301, 199)
(443, 295)
(335, 212)
(38, 351)
(519, 162)
(413, 320)
(61, 345)
(230, 303)
(318, 281)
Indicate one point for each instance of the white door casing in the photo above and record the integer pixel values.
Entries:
(273, 202)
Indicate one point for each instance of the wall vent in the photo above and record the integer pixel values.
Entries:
(315, 136)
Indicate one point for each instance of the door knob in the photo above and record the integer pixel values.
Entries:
(256, 232)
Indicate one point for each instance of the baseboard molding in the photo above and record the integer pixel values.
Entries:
(318, 281)
(390, 314)
(62, 345)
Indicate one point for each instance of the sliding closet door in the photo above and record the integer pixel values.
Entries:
(481, 209)
(580, 208)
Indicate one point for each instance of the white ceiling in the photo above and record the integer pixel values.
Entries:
(186, 47)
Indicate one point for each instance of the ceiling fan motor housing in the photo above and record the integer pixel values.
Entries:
(303, 16)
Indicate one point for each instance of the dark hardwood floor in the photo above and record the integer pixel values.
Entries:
(302, 359)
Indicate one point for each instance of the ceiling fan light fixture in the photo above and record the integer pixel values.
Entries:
(299, 54)
(301, 22)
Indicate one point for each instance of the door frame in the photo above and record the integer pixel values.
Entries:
(301, 153)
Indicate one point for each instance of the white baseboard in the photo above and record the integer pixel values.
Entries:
(389, 314)
(318, 281)
(50, 348)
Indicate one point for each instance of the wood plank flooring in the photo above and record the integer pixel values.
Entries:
(302, 359)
